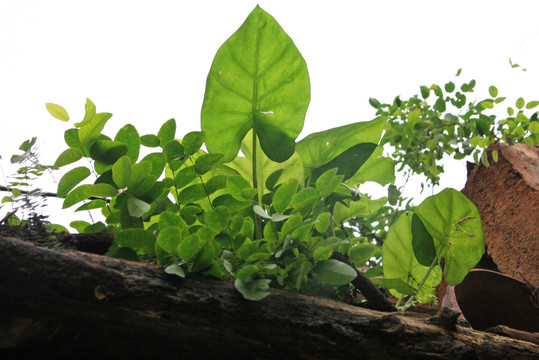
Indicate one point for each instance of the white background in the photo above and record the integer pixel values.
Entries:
(147, 61)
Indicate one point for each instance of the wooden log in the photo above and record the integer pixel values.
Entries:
(69, 304)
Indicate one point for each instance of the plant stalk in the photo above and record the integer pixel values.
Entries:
(432, 266)
(258, 226)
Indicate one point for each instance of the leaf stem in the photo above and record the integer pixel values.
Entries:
(258, 226)
(202, 182)
(432, 266)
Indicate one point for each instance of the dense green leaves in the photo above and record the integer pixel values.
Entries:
(276, 216)
(258, 80)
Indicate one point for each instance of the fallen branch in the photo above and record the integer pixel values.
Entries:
(71, 303)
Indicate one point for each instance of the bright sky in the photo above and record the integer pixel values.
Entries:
(147, 62)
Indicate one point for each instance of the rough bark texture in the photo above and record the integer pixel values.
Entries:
(507, 196)
(75, 305)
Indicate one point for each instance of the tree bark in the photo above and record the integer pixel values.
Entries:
(70, 304)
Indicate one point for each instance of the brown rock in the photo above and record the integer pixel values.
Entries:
(507, 196)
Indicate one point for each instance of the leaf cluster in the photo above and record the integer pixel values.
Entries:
(442, 120)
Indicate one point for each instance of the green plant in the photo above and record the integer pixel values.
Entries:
(271, 217)
(424, 128)
(24, 197)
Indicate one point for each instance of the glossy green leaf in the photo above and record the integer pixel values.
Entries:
(138, 172)
(143, 186)
(193, 141)
(520, 103)
(361, 208)
(236, 185)
(495, 155)
(185, 176)
(253, 289)
(175, 269)
(57, 111)
(217, 219)
(230, 202)
(206, 162)
(455, 226)
(320, 148)
(94, 204)
(158, 161)
(422, 242)
(258, 80)
(129, 136)
(440, 105)
(76, 195)
(89, 113)
(425, 92)
(91, 131)
(137, 207)
(323, 222)
(393, 195)
(328, 182)
(169, 218)
(124, 253)
(303, 271)
(206, 256)
(71, 137)
(374, 103)
(71, 179)
(79, 225)
(283, 195)
(100, 190)
(334, 272)
(189, 247)
(149, 140)
(173, 150)
(397, 284)
(68, 156)
(169, 238)
(377, 168)
(493, 91)
(361, 253)
(192, 193)
(167, 132)
(349, 162)
(121, 171)
(141, 240)
(246, 271)
(532, 104)
(400, 262)
(450, 87)
(107, 152)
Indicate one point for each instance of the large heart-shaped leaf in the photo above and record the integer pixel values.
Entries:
(258, 80)
(455, 226)
(400, 262)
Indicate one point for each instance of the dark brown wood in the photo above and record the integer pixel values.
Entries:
(375, 299)
(75, 305)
